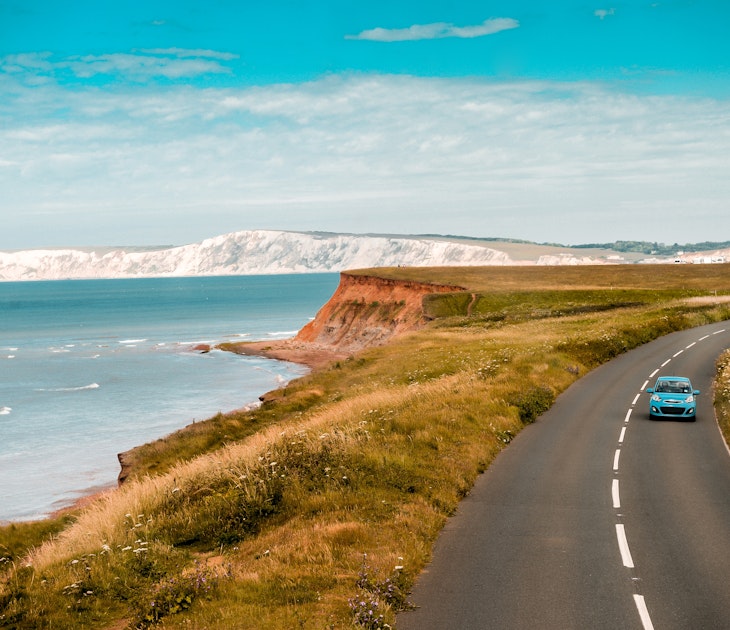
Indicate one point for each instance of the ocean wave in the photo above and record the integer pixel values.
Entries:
(70, 389)
(4, 411)
(128, 341)
(10, 356)
(283, 333)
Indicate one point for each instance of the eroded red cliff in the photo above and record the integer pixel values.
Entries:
(368, 310)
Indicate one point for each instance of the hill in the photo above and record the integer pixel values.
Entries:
(319, 508)
(258, 252)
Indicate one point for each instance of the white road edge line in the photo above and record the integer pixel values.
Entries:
(623, 546)
(615, 458)
(643, 612)
(615, 494)
(622, 436)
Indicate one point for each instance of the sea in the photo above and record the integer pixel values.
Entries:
(91, 368)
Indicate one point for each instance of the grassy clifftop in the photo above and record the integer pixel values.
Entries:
(320, 508)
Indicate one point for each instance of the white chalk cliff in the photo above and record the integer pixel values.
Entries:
(248, 253)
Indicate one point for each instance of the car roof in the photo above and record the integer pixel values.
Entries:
(673, 378)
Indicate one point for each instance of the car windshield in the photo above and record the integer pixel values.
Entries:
(673, 387)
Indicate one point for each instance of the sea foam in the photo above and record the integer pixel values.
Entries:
(71, 389)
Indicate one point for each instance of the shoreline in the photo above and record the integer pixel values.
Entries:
(313, 356)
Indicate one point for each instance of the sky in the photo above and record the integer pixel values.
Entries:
(159, 122)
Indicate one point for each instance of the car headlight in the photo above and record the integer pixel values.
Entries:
(655, 398)
(689, 399)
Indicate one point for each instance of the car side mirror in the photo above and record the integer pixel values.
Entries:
(696, 392)
(649, 390)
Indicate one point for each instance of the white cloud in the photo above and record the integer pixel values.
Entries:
(186, 53)
(603, 13)
(537, 160)
(140, 65)
(26, 62)
(436, 30)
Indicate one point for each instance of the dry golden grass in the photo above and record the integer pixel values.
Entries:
(284, 522)
(705, 278)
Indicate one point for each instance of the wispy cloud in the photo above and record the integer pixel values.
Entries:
(139, 65)
(366, 153)
(604, 13)
(186, 53)
(143, 66)
(436, 30)
(26, 62)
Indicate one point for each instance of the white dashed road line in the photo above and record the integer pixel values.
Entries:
(623, 546)
(643, 612)
(623, 543)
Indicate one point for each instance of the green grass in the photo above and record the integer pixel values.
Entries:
(332, 494)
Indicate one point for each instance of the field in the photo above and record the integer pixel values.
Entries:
(319, 509)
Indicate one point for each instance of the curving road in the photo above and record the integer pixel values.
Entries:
(596, 516)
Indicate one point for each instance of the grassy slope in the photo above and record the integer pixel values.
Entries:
(302, 510)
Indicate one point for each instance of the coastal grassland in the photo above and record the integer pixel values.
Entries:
(703, 279)
(319, 509)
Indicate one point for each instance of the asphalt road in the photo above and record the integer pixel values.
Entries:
(596, 516)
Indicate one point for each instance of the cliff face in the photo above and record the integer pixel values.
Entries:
(248, 252)
(367, 310)
(364, 311)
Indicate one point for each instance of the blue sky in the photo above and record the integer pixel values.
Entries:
(162, 122)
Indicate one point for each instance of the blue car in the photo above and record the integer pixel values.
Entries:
(673, 397)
